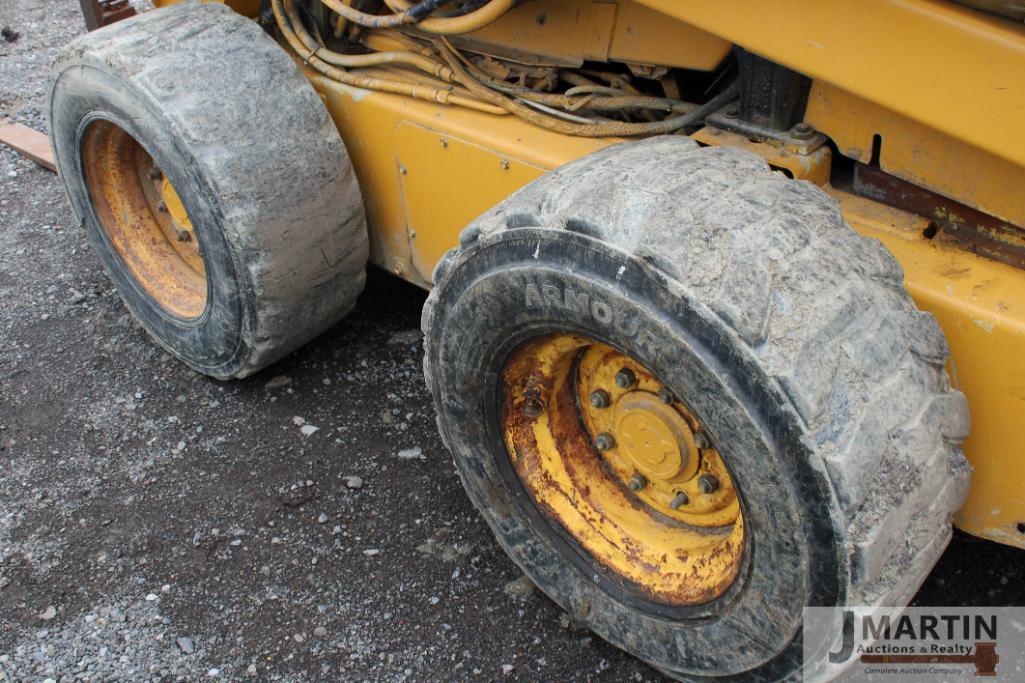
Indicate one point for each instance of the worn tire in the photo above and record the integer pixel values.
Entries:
(256, 160)
(793, 338)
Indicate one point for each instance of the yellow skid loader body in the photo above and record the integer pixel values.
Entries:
(931, 92)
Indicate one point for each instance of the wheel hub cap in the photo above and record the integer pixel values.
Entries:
(655, 438)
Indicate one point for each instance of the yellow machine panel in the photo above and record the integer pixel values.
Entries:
(431, 166)
(571, 31)
(961, 72)
(919, 154)
(979, 303)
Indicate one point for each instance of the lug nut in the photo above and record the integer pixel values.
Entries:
(184, 236)
(600, 399)
(665, 395)
(680, 500)
(532, 408)
(155, 174)
(605, 441)
(707, 483)
(802, 131)
(625, 378)
(161, 206)
(637, 482)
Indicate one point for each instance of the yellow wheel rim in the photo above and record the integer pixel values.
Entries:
(144, 220)
(611, 456)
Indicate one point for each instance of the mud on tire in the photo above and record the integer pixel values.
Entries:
(258, 165)
(797, 344)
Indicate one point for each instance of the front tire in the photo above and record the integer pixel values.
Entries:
(787, 338)
(212, 183)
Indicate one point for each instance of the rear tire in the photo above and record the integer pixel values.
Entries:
(273, 248)
(789, 336)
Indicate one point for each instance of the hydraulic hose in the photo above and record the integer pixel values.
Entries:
(483, 93)
(596, 130)
(307, 48)
(410, 15)
(619, 102)
(455, 25)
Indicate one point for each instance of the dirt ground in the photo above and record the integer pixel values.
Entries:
(155, 524)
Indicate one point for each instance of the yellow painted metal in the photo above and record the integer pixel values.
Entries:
(571, 31)
(685, 556)
(919, 154)
(957, 71)
(980, 303)
(814, 167)
(370, 125)
(655, 439)
(433, 168)
(564, 32)
(130, 196)
(645, 36)
(174, 204)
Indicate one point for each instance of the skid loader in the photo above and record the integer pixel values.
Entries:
(714, 287)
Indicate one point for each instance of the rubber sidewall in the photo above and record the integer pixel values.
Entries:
(212, 342)
(512, 287)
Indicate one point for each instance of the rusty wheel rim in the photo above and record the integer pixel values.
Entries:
(144, 220)
(608, 454)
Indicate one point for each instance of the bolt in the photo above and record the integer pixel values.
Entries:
(184, 236)
(600, 399)
(707, 483)
(665, 395)
(505, 164)
(161, 206)
(155, 173)
(701, 441)
(532, 408)
(680, 500)
(732, 112)
(625, 378)
(605, 441)
(444, 142)
(802, 131)
(637, 482)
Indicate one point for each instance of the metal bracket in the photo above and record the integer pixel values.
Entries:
(801, 139)
(99, 13)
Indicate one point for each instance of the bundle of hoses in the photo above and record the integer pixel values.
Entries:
(467, 86)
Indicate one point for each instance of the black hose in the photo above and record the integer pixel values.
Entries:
(420, 11)
(709, 107)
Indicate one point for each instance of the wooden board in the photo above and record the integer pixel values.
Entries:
(27, 142)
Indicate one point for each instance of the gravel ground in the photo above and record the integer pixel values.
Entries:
(157, 524)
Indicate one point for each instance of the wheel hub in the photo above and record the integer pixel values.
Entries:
(607, 451)
(175, 209)
(655, 438)
(145, 220)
